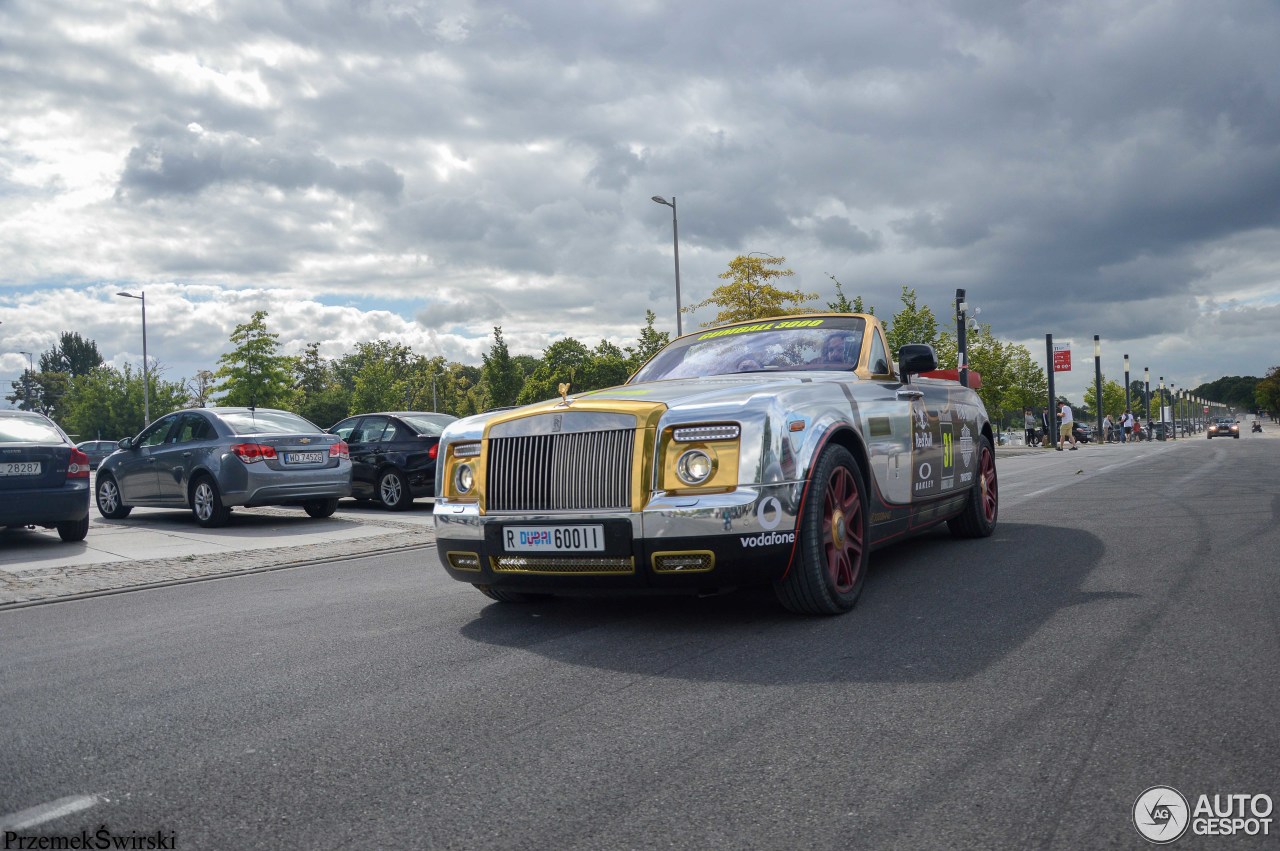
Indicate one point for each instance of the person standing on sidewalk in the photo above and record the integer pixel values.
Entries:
(1065, 427)
(1127, 425)
(1046, 435)
(1029, 426)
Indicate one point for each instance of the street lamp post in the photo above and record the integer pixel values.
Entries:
(1097, 382)
(1128, 405)
(1173, 408)
(1162, 404)
(26, 381)
(1146, 393)
(675, 241)
(146, 376)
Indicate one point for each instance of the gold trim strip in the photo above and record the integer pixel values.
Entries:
(710, 556)
(453, 561)
(566, 566)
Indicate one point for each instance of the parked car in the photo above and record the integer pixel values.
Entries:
(214, 459)
(1223, 427)
(44, 478)
(776, 452)
(97, 450)
(1083, 431)
(393, 455)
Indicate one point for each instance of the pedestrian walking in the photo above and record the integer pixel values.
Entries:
(1046, 434)
(1126, 425)
(1029, 426)
(1066, 426)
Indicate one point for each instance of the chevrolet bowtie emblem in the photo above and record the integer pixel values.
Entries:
(305, 440)
(564, 393)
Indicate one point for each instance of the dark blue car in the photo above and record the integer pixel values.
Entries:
(44, 478)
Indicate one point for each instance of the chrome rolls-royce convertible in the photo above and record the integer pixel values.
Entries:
(780, 451)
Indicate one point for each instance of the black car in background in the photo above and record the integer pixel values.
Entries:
(1223, 427)
(393, 455)
(97, 450)
(44, 478)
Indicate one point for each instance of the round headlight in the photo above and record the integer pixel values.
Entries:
(694, 467)
(464, 478)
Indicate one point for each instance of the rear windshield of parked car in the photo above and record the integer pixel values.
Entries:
(430, 426)
(268, 422)
(28, 430)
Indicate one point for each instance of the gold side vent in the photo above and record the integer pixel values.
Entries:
(689, 561)
(464, 561)
(577, 565)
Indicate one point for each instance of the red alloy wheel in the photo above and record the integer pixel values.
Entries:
(842, 529)
(990, 490)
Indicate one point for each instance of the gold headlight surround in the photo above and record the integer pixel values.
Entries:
(461, 454)
(720, 442)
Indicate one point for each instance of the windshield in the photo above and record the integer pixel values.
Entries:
(827, 343)
(28, 430)
(432, 425)
(267, 422)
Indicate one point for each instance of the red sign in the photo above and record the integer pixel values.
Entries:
(1206, 409)
(1061, 358)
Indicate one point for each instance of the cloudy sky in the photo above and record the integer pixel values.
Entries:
(424, 171)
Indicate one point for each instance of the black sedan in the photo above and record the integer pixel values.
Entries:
(44, 478)
(1223, 427)
(393, 455)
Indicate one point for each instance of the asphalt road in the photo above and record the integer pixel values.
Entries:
(1121, 630)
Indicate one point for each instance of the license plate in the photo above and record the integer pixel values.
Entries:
(20, 468)
(553, 539)
(304, 457)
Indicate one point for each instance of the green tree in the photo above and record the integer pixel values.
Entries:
(500, 377)
(73, 355)
(1028, 382)
(562, 361)
(107, 402)
(254, 373)
(1112, 398)
(650, 342)
(317, 395)
(1267, 393)
(200, 389)
(843, 305)
(915, 324)
(749, 293)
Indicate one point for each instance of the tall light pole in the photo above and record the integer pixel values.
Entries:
(1173, 407)
(146, 376)
(26, 381)
(1146, 393)
(1162, 404)
(675, 241)
(1128, 405)
(1097, 382)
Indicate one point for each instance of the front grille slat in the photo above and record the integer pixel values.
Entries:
(572, 471)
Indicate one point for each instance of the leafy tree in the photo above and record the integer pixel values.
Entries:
(317, 395)
(1028, 383)
(1235, 391)
(750, 295)
(107, 403)
(1112, 398)
(500, 377)
(200, 389)
(607, 367)
(73, 355)
(254, 373)
(562, 361)
(651, 341)
(1267, 393)
(843, 305)
(915, 324)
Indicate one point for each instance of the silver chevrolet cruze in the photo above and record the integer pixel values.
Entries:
(211, 459)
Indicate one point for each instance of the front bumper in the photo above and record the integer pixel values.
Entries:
(45, 506)
(744, 537)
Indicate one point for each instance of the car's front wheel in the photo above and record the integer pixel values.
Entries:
(320, 508)
(831, 564)
(110, 504)
(206, 504)
(74, 530)
(978, 520)
(393, 490)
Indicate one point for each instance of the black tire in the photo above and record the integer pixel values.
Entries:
(504, 595)
(320, 508)
(108, 498)
(206, 504)
(982, 511)
(393, 490)
(831, 563)
(74, 530)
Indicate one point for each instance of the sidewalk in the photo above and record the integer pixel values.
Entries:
(158, 547)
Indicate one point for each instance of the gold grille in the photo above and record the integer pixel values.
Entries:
(690, 561)
(464, 561)
(579, 565)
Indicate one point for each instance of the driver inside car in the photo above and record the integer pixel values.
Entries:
(839, 348)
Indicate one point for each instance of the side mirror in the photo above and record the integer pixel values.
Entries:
(125, 443)
(915, 358)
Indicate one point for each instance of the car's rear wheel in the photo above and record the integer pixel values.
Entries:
(978, 520)
(74, 530)
(831, 564)
(505, 595)
(393, 490)
(206, 504)
(110, 504)
(320, 508)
